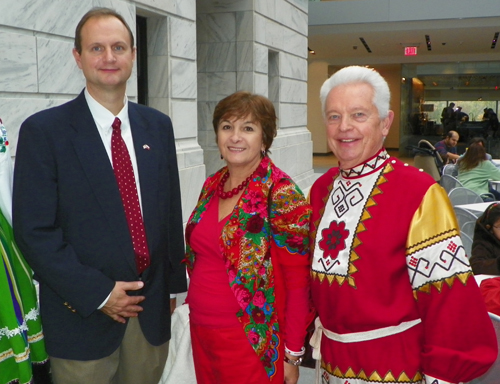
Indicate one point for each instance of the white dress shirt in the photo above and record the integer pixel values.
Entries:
(103, 119)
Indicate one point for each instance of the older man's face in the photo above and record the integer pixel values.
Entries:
(354, 128)
(452, 141)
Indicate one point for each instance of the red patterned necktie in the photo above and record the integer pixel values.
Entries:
(124, 173)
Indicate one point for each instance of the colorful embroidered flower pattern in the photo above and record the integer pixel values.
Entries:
(242, 295)
(296, 242)
(253, 337)
(255, 224)
(333, 239)
(245, 243)
(258, 316)
(259, 299)
(254, 203)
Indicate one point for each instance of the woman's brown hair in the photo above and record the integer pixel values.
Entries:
(241, 104)
(473, 157)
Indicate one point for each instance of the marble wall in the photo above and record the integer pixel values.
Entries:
(259, 46)
(37, 69)
(198, 52)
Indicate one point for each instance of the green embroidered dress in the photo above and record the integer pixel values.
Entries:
(21, 340)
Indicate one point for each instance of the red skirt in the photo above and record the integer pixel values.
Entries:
(224, 356)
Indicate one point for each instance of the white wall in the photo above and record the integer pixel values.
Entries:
(37, 69)
(259, 46)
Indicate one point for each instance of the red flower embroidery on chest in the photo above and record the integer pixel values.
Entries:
(333, 239)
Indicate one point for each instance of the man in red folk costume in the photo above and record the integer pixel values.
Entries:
(396, 298)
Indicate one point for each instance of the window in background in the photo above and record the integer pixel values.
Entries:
(473, 108)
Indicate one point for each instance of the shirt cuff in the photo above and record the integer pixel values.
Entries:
(104, 302)
(433, 380)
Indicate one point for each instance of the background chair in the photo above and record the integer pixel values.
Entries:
(450, 169)
(464, 216)
(467, 243)
(462, 195)
(468, 228)
(448, 182)
(487, 197)
(466, 223)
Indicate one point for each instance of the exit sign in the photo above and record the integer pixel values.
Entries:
(410, 51)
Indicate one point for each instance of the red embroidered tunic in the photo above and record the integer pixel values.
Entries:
(387, 253)
(265, 248)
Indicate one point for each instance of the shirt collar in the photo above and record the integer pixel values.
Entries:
(368, 166)
(102, 116)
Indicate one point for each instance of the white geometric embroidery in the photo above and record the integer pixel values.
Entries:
(437, 262)
(346, 194)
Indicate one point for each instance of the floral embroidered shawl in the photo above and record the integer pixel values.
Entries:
(245, 244)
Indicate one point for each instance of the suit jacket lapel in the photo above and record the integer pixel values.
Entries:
(97, 167)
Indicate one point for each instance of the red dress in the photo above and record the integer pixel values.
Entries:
(264, 249)
(214, 334)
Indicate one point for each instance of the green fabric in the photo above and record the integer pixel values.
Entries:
(477, 178)
(21, 338)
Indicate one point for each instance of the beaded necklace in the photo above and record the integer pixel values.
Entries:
(232, 192)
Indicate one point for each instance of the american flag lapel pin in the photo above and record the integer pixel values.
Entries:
(145, 146)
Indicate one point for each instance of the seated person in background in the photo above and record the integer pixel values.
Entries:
(447, 148)
(485, 259)
(474, 171)
(482, 142)
(460, 116)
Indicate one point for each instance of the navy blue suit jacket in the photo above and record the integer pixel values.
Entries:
(70, 224)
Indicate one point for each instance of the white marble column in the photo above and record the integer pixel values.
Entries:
(259, 46)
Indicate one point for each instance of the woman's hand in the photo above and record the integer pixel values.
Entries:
(291, 371)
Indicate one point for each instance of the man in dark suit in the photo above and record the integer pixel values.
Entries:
(106, 248)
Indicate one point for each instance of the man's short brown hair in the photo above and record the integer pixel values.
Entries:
(99, 12)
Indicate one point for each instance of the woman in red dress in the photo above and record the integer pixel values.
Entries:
(248, 256)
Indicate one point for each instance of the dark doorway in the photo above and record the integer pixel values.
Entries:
(142, 60)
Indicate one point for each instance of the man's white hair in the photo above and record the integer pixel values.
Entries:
(355, 74)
